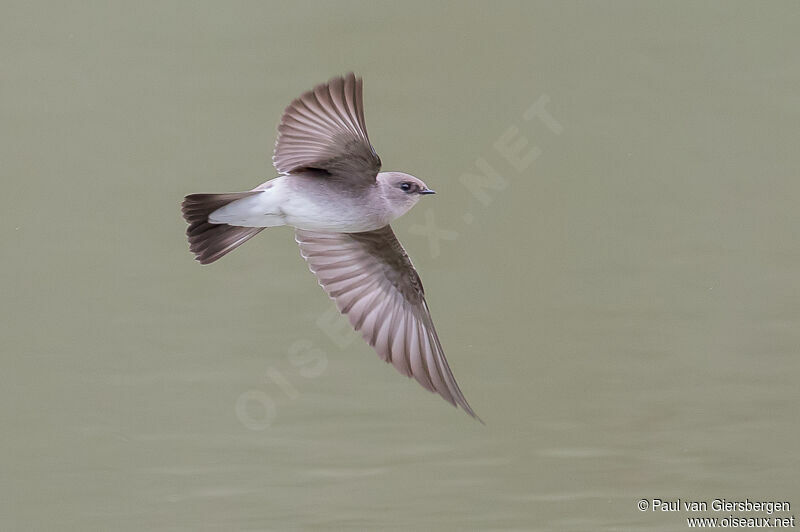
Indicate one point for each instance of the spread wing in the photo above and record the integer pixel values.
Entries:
(373, 282)
(323, 133)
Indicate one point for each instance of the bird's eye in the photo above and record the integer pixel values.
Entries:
(405, 186)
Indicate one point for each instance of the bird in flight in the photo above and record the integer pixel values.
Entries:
(331, 191)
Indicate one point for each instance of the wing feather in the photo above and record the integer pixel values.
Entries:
(373, 282)
(324, 130)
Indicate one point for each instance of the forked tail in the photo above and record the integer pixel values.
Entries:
(208, 241)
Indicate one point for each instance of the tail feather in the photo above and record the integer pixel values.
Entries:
(208, 241)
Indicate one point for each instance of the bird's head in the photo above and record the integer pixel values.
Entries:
(402, 191)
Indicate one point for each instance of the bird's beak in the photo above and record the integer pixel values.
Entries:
(427, 191)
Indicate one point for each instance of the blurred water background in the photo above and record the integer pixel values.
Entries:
(620, 305)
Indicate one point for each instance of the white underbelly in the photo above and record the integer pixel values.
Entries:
(303, 213)
(258, 210)
(278, 203)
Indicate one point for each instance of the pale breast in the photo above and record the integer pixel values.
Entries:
(316, 204)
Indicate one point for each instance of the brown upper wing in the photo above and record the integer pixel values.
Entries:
(373, 282)
(323, 132)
